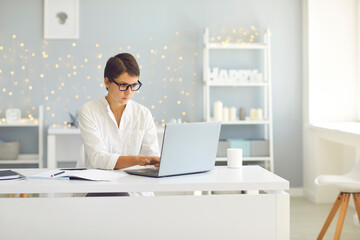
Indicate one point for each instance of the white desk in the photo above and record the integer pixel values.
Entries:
(223, 216)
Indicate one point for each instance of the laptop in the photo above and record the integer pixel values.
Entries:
(186, 148)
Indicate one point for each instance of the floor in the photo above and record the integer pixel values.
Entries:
(307, 219)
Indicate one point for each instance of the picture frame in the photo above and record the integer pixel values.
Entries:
(61, 19)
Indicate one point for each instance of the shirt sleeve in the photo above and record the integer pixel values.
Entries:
(150, 145)
(96, 154)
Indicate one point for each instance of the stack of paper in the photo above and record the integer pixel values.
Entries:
(85, 174)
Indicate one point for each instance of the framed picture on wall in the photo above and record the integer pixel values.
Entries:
(61, 19)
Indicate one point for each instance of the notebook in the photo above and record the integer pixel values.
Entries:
(9, 174)
(187, 148)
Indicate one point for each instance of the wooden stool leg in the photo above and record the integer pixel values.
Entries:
(342, 213)
(330, 217)
(356, 197)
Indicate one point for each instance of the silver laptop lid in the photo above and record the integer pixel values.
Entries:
(189, 148)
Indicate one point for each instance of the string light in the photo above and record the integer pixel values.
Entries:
(69, 69)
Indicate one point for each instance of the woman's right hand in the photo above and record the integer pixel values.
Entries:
(148, 160)
(129, 161)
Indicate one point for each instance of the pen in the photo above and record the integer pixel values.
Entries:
(57, 173)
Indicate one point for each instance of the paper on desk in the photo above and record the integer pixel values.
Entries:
(89, 174)
(47, 174)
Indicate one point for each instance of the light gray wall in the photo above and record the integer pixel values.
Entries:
(146, 26)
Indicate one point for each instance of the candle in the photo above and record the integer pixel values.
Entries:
(252, 114)
(232, 115)
(218, 108)
(259, 114)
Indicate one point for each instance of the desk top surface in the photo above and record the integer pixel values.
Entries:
(219, 179)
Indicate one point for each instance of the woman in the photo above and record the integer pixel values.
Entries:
(116, 131)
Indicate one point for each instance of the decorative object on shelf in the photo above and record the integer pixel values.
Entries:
(234, 157)
(232, 114)
(241, 75)
(256, 114)
(218, 108)
(252, 114)
(225, 115)
(74, 120)
(61, 19)
(250, 147)
(9, 150)
(242, 114)
(13, 115)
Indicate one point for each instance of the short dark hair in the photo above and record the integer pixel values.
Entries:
(123, 62)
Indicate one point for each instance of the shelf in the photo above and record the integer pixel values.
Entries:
(248, 159)
(236, 84)
(237, 45)
(24, 122)
(261, 88)
(23, 159)
(63, 130)
(244, 122)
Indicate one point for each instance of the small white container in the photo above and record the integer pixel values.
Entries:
(234, 157)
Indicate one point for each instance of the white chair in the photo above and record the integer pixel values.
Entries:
(81, 158)
(347, 184)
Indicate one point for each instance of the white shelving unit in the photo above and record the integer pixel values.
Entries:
(28, 158)
(265, 84)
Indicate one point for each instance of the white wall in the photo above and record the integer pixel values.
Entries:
(332, 60)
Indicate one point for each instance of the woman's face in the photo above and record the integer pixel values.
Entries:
(113, 90)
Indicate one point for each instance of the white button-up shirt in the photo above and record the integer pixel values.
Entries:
(104, 141)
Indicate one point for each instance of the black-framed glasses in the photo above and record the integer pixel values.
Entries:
(124, 87)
